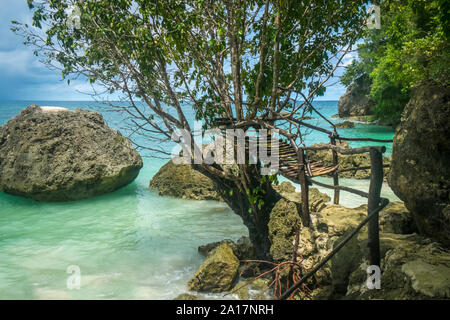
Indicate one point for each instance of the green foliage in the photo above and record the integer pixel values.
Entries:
(191, 37)
(411, 47)
(256, 196)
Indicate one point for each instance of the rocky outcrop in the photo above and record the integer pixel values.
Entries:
(182, 181)
(395, 218)
(355, 101)
(284, 187)
(317, 199)
(345, 125)
(218, 272)
(420, 172)
(285, 219)
(412, 267)
(328, 228)
(186, 296)
(347, 161)
(53, 154)
(242, 248)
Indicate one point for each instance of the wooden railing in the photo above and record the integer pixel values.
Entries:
(375, 202)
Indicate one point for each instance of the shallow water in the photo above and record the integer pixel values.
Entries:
(130, 244)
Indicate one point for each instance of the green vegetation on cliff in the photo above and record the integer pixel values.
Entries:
(411, 47)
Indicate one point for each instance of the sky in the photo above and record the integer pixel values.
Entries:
(23, 77)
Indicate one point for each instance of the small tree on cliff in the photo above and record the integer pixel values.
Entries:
(244, 60)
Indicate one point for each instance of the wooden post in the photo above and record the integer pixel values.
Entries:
(376, 182)
(304, 186)
(335, 175)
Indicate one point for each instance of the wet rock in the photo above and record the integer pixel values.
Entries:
(207, 248)
(345, 125)
(260, 284)
(242, 248)
(54, 154)
(186, 296)
(243, 293)
(182, 181)
(420, 173)
(217, 273)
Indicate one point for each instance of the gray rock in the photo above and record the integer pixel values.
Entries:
(186, 296)
(52, 154)
(413, 267)
(355, 101)
(420, 171)
(207, 248)
(217, 273)
(243, 248)
(182, 181)
(395, 218)
(345, 125)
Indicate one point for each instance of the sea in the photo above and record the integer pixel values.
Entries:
(132, 243)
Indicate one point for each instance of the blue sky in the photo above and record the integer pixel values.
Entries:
(23, 77)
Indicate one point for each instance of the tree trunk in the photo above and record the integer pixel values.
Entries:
(255, 219)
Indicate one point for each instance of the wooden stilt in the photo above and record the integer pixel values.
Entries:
(376, 182)
(304, 186)
(335, 175)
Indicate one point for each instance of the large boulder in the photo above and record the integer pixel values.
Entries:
(346, 161)
(53, 154)
(412, 267)
(355, 101)
(182, 181)
(420, 172)
(218, 272)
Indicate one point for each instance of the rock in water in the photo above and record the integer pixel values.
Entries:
(217, 273)
(420, 170)
(52, 154)
(182, 181)
(355, 101)
(345, 125)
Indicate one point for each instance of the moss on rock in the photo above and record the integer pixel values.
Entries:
(217, 273)
(182, 181)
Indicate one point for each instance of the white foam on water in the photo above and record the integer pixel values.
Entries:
(53, 109)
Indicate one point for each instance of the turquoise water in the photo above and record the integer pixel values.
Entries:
(130, 244)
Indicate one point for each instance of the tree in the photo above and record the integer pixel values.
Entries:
(411, 47)
(251, 62)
